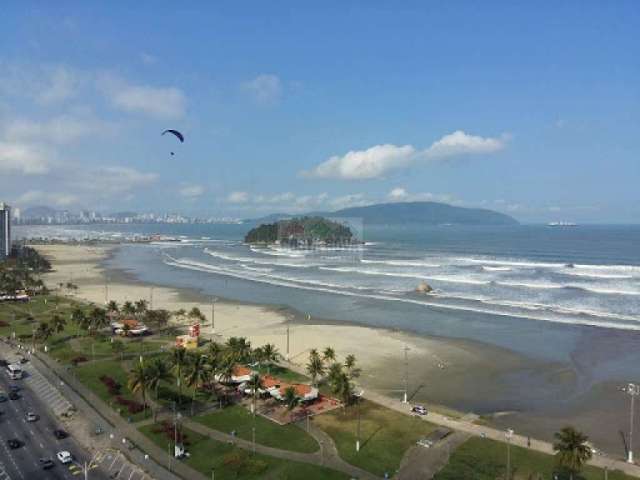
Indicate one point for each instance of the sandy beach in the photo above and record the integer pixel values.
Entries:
(380, 352)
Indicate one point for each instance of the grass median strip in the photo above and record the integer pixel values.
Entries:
(484, 459)
(239, 419)
(230, 462)
(385, 435)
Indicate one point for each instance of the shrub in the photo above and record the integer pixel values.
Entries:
(79, 359)
(3, 323)
(112, 386)
(167, 428)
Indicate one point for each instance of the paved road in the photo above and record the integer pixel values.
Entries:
(39, 441)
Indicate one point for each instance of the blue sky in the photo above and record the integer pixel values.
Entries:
(532, 109)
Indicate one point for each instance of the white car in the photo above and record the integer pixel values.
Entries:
(419, 410)
(64, 457)
(424, 442)
(32, 417)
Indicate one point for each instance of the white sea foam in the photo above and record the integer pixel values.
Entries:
(402, 263)
(496, 269)
(582, 318)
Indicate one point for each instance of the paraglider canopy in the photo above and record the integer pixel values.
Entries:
(176, 133)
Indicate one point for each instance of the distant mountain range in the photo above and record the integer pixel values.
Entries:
(404, 213)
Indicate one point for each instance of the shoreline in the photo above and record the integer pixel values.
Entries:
(379, 351)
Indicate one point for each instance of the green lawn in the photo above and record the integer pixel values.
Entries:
(89, 375)
(385, 435)
(283, 373)
(238, 418)
(484, 459)
(231, 462)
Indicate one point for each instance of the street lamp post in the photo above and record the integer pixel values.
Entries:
(633, 390)
(509, 435)
(358, 432)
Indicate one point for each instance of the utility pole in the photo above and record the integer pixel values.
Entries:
(509, 435)
(151, 299)
(633, 390)
(106, 290)
(406, 374)
(287, 341)
(213, 315)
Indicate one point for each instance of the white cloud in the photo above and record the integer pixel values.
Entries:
(43, 84)
(160, 102)
(191, 190)
(34, 197)
(103, 182)
(379, 160)
(400, 194)
(365, 164)
(461, 143)
(63, 129)
(238, 197)
(265, 89)
(62, 85)
(23, 159)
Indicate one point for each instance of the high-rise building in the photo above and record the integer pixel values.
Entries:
(5, 230)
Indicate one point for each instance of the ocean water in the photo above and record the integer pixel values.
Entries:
(500, 285)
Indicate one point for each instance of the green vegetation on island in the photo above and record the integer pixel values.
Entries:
(302, 232)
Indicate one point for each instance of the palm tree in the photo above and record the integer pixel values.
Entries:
(44, 331)
(98, 317)
(196, 315)
(329, 354)
(334, 373)
(240, 347)
(270, 355)
(58, 323)
(178, 360)
(79, 318)
(180, 314)
(197, 374)
(290, 398)
(140, 307)
(255, 385)
(128, 309)
(350, 365)
(572, 450)
(159, 372)
(139, 382)
(315, 367)
(112, 307)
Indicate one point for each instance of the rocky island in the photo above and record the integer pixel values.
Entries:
(303, 232)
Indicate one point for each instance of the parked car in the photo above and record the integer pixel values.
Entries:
(46, 463)
(32, 417)
(3, 397)
(14, 396)
(64, 457)
(60, 434)
(419, 410)
(424, 442)
(14, 443)
(14, 388)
